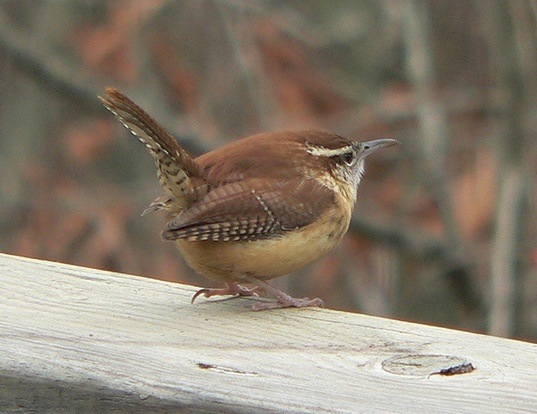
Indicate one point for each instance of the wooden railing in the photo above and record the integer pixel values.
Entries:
(74, 339)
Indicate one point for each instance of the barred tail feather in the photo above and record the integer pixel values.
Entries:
(178, 173)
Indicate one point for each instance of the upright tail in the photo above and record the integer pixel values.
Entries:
(178, 173)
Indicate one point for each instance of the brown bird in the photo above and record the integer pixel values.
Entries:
(257, 208)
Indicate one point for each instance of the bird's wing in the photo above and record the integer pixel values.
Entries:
(241, 211)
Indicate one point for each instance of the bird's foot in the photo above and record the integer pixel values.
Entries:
(288, 302)
(231, 289)
(283, 299)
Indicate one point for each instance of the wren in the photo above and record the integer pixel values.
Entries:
(257, 208)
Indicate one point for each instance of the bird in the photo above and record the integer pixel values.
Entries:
(254, 209)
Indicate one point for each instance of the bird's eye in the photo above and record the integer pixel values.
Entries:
(348, 158)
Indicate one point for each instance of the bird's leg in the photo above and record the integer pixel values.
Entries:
(283, 299)
(232, 288)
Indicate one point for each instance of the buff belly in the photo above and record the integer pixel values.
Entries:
(266, 258)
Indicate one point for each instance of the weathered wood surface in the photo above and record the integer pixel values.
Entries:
(74, 339)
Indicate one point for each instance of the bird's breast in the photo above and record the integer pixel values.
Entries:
(271, 257)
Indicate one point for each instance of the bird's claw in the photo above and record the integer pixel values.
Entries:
(234, 289)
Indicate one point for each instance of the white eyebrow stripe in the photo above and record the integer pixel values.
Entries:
(325, 152)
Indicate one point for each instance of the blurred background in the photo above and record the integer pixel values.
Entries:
(445, 225)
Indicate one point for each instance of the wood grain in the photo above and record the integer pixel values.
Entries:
(78, 339)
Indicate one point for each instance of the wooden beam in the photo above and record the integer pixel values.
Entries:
(85, 340)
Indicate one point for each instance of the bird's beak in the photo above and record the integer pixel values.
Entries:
(369, 147)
